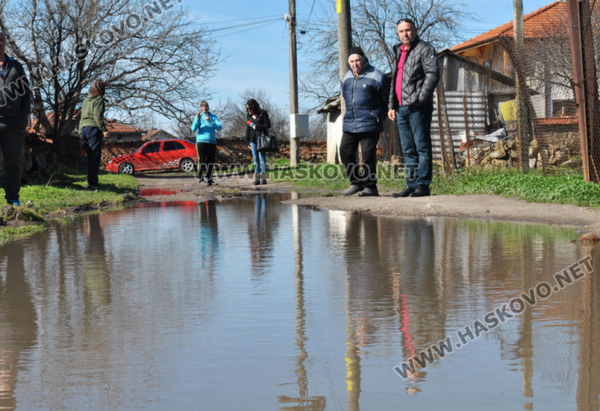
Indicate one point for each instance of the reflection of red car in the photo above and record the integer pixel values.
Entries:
(157, 155)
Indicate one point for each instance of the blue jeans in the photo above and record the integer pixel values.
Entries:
(258, 155)
(414, 127)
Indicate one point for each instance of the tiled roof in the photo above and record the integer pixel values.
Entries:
(544, 22)
(114, 127)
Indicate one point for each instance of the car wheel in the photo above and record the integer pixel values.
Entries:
(126, 168)
(186, 165)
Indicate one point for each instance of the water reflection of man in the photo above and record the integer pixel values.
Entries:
(96, 275)
(421, 314)
(18, 326)
(368, 295)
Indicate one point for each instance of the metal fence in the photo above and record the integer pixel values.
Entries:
(476, 115)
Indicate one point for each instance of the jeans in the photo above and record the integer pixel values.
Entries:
(206, 159)
(12, 138)
(414, 127)
(258, 155)
(92, 139)
(365, 176)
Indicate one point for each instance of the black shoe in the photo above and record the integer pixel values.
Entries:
(421, 191)
(354, 188)
(256, 180)
(263, 180)
(404, 193)
(369, 192)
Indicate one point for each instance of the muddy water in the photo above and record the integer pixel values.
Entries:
(259, 305)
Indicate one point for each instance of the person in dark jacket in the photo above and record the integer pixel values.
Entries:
(365, 90)
(414, 78)
(258, 122)
(93, 130)
(15, 107)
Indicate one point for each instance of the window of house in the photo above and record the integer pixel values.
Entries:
(173, 146)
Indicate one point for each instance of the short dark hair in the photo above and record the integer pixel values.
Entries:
(204, 103)
(253, 106)
(407, 20)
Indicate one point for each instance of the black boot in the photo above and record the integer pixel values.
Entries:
(256, 180)
(263, 179)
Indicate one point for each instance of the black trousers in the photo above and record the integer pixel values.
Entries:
(92, 139)
(206, 159)
(366, 175)
(12, 138)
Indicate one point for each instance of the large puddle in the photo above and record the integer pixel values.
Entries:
(259, 305)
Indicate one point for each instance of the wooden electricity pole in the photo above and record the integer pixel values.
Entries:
(344, 40)
(294, 146)
(522, 114)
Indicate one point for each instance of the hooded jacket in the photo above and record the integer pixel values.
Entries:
(15, 94)
(366, 97)
(420, 75)
(206, 129)
(92, 112)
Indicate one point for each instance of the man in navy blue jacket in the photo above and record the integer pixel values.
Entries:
(365, 90)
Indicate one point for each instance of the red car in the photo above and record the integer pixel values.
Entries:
(157, 155)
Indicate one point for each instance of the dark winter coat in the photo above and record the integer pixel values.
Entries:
(366, 97)
(262, 123)
(420, 75)
(15, 94)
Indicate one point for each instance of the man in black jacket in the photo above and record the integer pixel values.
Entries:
(15, 106)
(414, 78)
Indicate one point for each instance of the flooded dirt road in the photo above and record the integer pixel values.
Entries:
(255, 304)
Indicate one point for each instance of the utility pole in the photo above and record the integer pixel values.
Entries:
(344, 39)
(291, 19)
(522, 113)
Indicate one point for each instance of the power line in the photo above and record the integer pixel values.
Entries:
(244, 19)
(251, 28)
(308, 18)
(256, 23)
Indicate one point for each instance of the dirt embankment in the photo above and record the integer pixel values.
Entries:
(469, 206)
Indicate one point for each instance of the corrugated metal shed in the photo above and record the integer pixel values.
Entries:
(477, 118)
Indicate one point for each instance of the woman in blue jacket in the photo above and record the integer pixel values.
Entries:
(205, 124)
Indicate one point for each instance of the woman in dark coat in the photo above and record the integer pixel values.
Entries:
(258, 122)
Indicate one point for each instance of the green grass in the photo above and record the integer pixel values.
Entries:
(64, 191)
(11, 233)
(566, 188)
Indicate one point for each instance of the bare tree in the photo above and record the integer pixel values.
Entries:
(151, 55)
(374, 28)
(232, 114)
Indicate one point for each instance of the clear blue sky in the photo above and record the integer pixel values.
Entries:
(259, 58)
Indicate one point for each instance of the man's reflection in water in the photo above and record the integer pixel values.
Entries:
(422, 317)
(18, 327)
(208, 241)
(95, 268)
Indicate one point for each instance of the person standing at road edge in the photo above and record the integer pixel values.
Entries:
(15, 107)
(365, 90)
(205, 124)
(415, 76)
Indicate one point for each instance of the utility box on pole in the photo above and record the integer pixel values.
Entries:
(299, 127)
